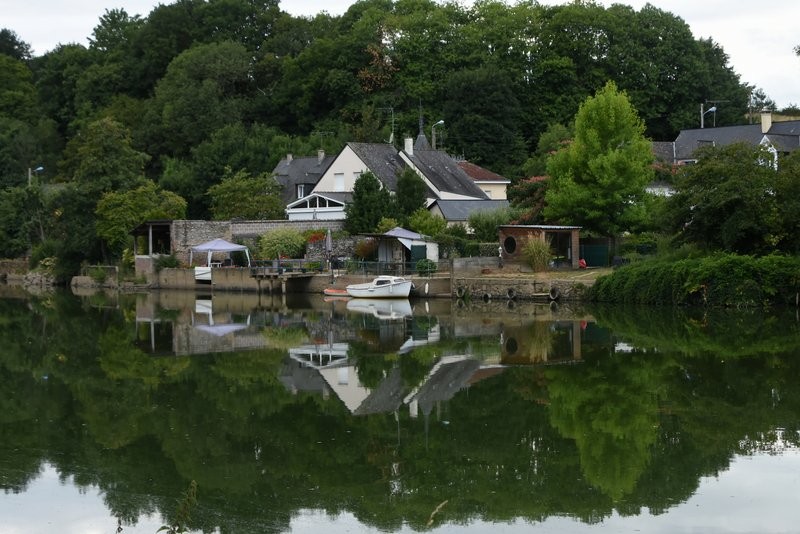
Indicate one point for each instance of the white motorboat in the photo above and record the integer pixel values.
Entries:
(385, 286)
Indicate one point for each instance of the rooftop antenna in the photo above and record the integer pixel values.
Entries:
(391, 135)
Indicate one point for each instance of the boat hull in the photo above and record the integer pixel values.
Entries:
(381, 288)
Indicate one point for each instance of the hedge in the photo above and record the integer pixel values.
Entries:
(720, 280)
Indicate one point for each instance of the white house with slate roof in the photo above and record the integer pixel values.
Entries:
(442, 175)
(779, 137)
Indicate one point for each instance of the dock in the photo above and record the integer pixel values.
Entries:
(275, 274)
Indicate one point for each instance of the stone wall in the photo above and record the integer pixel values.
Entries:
(254, 229)
(187, 234)
(342, 248)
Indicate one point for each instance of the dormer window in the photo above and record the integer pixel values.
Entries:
(301, 191)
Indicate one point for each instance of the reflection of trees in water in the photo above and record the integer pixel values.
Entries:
(640, 427)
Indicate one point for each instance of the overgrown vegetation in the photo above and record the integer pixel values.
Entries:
(426, 267)
(718, 280)
(282, 243)
(166, 261)
(538, 254)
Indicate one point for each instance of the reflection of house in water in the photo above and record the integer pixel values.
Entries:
(447, 377)
(537, 342)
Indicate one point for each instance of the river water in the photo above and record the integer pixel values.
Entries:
(304, 415)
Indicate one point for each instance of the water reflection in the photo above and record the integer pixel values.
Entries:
(512, 414)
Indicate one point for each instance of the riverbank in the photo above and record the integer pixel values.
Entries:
(471, 278)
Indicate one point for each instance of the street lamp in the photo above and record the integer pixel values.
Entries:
(31, 171)
(433, 132)
(712, 109)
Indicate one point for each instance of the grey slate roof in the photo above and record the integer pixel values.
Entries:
(784, 135)
(444, 173)
(460, 210)
(688, 141)
(290, 172)
(664, 151)
(382, 159)
(784, 143)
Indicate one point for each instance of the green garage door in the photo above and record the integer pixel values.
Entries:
(595, 255)
(418, 252)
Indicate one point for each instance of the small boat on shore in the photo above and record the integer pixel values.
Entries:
(382, 287)
(335, 292)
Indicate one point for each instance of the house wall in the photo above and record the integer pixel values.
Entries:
(348, 163)
(495, 190)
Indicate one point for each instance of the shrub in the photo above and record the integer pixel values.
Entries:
(426, 267)
(488, 249)
(720, 280)
(283, 242)
(166, 262)
(386, 224)
(538, 254)
(97, 274)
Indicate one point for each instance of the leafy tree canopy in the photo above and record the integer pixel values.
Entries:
(411, 194)
(371, 202)
(727, 200)
(119, 212)
(102, 159)
(598, 181)
(240, 195)
(424, 222)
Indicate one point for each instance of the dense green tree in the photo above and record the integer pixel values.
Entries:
(483, 118)
(598, 181)
(102, 159)
(410, 195)
(787, 196)
(109, 77)
(201, 92)
(168, 30)
(255, 149)
(484, 223)
(243, 196)
(20, 212)
(727, 200)
(18, 97)
(371, 202)
(72, 239)
(11, 45)
(424, 222)
(551, 141)
(527, 196)
(119, 212)
(57, 76)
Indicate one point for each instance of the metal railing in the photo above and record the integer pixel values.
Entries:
(376, 268)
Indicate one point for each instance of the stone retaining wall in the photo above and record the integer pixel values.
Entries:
(187, 234)
(487, 288)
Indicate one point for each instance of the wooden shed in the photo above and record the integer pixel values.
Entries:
(564, 241)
